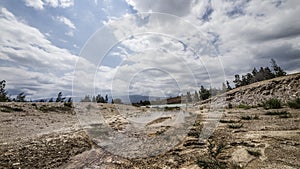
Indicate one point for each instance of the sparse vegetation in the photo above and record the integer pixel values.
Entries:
(295, 104)
(243, 106)
(56, 108)
(253, 152)
(9, 109)
(272, 103)
(230, 106)
(256, 117)
(250, 117)
(276, 113)
(227, 121)
(246, 118)
(235, 126)
(210, 163)
(264, 73)
(288, 115)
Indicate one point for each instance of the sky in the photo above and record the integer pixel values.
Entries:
(155, 48)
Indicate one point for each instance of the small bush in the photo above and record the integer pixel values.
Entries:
(295, 104)
(276, 113)
(246, 118)
(230, 106)
(243, 106)
(272, 103)
(68, 104)
(235, 126)
(9, 109)
(250, 117)
(288, 115)
(255, 153)
(227, 121)
(256, 117)
(210, 163)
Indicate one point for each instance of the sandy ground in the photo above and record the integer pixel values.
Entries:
(43, 135)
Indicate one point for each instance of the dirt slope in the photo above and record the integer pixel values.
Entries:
(51, 135)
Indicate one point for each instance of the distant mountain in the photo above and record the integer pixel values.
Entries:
(137, 98)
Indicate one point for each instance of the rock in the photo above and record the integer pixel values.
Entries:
(241, 156)
(283, 88)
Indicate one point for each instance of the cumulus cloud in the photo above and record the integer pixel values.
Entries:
(178, 7)
(200, 43)
(40, 4)
(36, 4)
(32, 63)
(242, 34)
(66, 21)
(153, 61)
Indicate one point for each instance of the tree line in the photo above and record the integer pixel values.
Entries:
(4, 97)
(21, 97)
(264, 73)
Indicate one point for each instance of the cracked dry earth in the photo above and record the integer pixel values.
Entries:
(43, 135)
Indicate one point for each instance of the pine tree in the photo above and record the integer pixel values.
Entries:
(237, 81)
(21, 97)
(204, 93)
(94, 99)
(100, 99)
(196, 97)
(228, 86)
(70, 100)
(86, 99)
(3, 94)
(60, 98)
(188, 97)
(260, 76)
(268, 73)
(277, 69)
(106, 98)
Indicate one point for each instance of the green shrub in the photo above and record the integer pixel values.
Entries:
(243, 106)
(276, 113)
(272, 103)
(295, 104)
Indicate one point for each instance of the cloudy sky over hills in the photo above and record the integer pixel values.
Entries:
(158, 47)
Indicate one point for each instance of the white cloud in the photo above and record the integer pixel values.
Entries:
(66, 3)
(70, 33)
(36, 4)
(244, 34)
(174, 7)
(40, 4)
(52, 3)
(34, 64)
(66, 21)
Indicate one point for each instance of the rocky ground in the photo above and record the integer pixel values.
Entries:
(44, 135)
